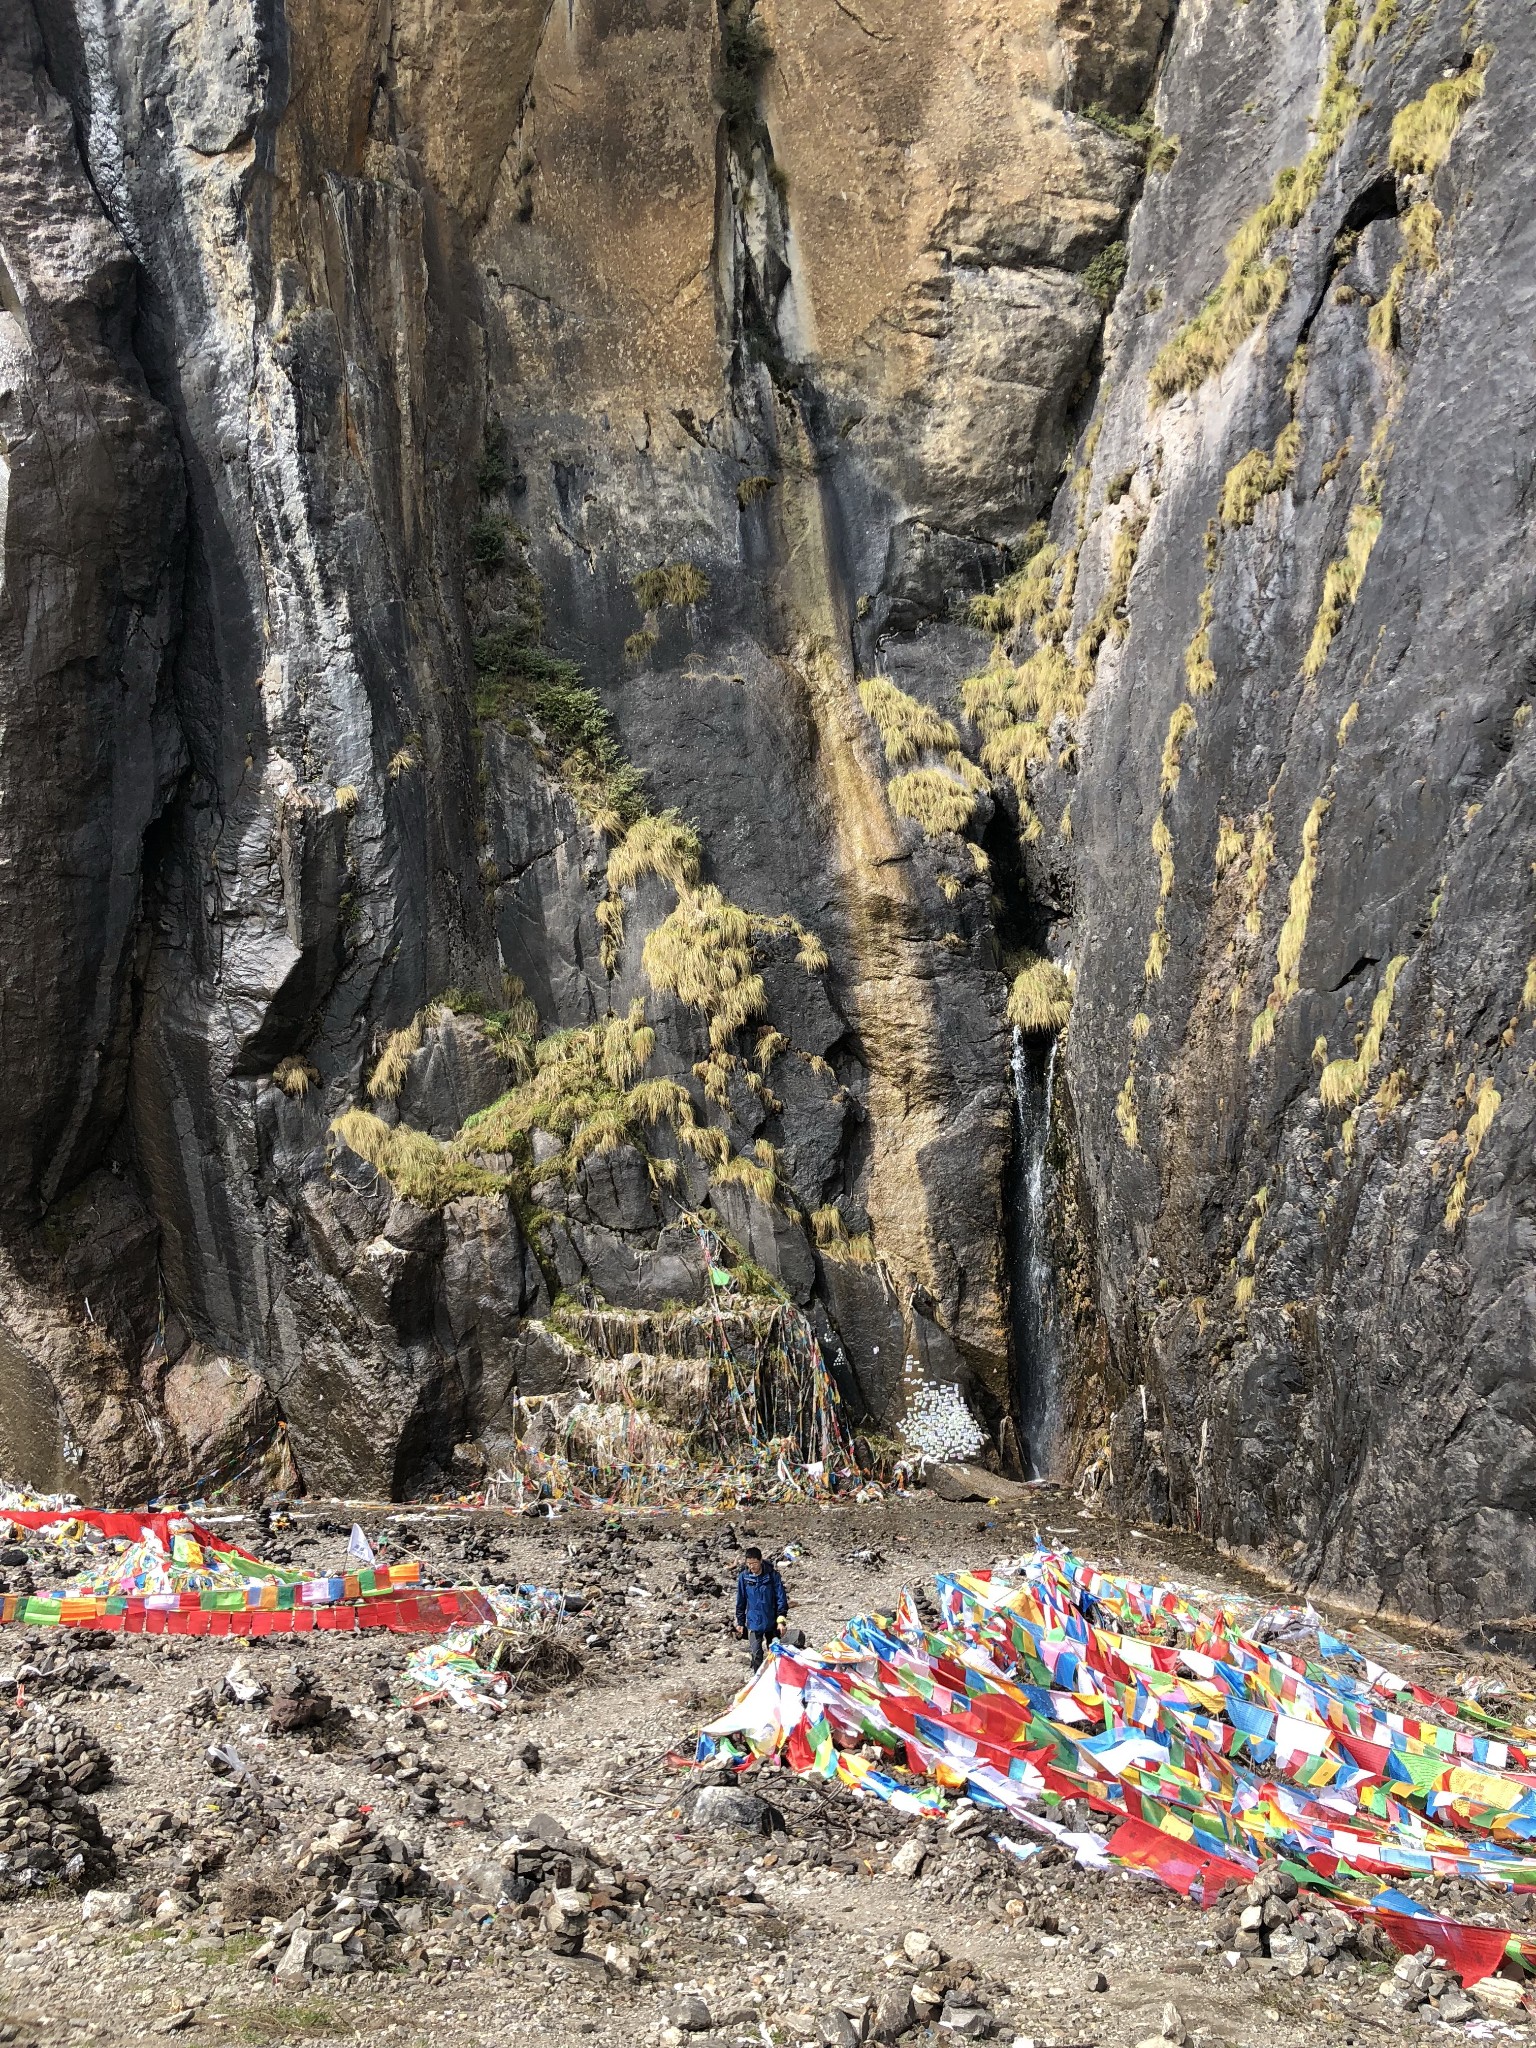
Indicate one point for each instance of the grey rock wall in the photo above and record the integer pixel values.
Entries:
(1323, 1299)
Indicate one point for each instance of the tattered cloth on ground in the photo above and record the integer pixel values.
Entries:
(1212, 1749)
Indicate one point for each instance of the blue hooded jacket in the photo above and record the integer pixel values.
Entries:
(760, 1599)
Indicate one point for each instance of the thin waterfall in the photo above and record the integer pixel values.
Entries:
(1035, 1348)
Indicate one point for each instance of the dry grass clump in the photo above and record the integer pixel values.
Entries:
(676, 585)
(702, 954)
(1261, 854)
(584, 1091)
(1293, 932)
(1251, 286)
(1022, 598)
(1423, 131)
(758, 1172)
(659, 844)
(1478, 1126)
(1344, 576)
(1162, 846)
(1180, 726)
(413, 1163)
(295, 1076)
(1199, 669)
(1014, 749)
(346, 798)
(1208, 343)
(1157, 947)
(1421, 229)
(510, 1031)
(1344, 1081)
(1253, 479)
(1040, 1000)
(934, 798)
(906, 726)
(1108, 615)
(1125, 1109)
(639, 646)
(388, 1076)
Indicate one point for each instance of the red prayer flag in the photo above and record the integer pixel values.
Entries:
(1181, 1865)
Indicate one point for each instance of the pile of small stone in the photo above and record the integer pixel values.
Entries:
(359, 1881)
(297, 1701)
(1421, 1981)
(696, 1578)
(1305, 1937)
(566, 1889)
(156, 1829)
(49, 1833)
(410, 1770)
(236, 1816)
(929, 1987)
(62, 1664)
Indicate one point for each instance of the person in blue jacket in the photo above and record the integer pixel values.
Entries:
(761, 1603)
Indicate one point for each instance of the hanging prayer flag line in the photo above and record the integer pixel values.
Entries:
(1211, 1749)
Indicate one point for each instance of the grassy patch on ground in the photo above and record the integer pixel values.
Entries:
(308, 2019)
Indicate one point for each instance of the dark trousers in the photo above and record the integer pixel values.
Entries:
(757, 1641)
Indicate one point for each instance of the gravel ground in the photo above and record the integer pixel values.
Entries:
(387, 1840)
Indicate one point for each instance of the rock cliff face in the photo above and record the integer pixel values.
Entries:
(539, 718)
(1301, 859)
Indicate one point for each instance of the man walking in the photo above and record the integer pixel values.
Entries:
(761, 1603)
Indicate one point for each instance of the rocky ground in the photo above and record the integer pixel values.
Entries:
(326, 1863)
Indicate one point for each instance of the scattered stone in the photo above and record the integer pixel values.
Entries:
(112, 1909)
(295, 1962)
(729, 1806)
(689, 2013)
(835, 2030)
(894, 2014)
(909, 1859)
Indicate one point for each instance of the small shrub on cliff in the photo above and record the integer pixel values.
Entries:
(487, 544)
(493, 472)
(575, 721)
(1106, 273)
